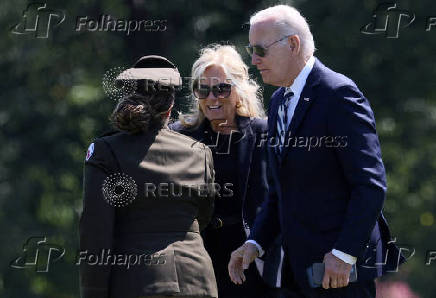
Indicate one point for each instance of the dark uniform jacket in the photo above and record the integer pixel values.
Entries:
(146, 198)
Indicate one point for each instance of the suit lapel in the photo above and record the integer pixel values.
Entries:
(245, 152)
(305, 101)
(303, 105)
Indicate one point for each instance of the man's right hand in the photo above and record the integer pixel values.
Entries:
(240, 260)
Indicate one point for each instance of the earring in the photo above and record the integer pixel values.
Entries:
(238, 105)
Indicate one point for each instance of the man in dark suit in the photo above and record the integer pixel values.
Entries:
(328, 181)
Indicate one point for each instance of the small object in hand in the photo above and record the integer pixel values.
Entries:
(315, 274)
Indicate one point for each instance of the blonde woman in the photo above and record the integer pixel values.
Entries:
(228, 116)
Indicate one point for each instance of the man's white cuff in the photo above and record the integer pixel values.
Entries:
(344, 257)
(259, 248)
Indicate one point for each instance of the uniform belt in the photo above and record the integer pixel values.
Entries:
(145, 227)
(219, 221)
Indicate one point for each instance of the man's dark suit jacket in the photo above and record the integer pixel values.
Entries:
(331, 194)
(253, 184)
(160, 227)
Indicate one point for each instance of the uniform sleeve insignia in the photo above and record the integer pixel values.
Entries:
(89, 152)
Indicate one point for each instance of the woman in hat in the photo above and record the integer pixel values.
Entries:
(228, 116)
(146, 198)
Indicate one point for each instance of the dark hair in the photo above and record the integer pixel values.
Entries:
(142, 111)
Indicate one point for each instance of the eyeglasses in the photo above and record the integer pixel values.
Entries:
(261, 51)
(222, 90)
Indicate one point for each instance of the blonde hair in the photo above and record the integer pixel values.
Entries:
(288, 21)
(226, 56)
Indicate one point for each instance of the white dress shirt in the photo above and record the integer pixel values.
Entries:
(297, 87)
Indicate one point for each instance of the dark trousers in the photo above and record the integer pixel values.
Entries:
(353, 290)
(220, 243)
(175, 297)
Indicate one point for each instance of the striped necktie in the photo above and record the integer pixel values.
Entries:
(282, 119)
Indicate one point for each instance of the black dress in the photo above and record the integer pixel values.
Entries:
(225, 233)
(241, 173)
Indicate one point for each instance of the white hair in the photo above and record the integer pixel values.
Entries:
(289, 21)
(226, 56)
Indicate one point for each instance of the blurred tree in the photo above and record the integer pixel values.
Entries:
(53, 105)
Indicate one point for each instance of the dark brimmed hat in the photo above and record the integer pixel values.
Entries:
(155, 68)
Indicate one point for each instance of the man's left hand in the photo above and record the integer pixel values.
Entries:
(337, 272)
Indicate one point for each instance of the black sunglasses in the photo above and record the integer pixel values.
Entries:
(222, 90)
(259, 50)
